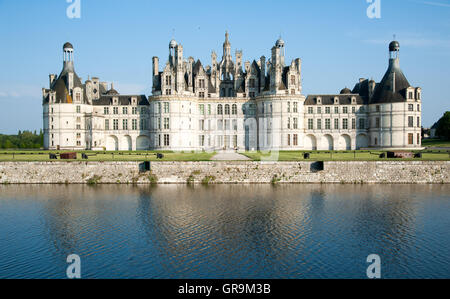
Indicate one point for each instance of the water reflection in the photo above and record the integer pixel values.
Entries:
(233, 231)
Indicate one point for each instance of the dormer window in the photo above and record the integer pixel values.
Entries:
(319, 101)
(336, 101)
(353, 100)
(410, 95)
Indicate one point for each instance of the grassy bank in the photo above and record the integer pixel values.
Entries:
(435, 143)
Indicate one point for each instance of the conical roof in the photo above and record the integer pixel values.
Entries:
(392, 87)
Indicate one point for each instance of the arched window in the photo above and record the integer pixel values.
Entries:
(227, 109)
(219, 109)
(234, 109)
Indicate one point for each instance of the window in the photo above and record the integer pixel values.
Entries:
(116, 110)
(116, 124)
(410, 138)
(166, 107)
(327, 124)
(310, 124)
(134, 110)
(377, 122)
(209, 109)
(201, 140)
(295, 123)
(295, 139)
(319, 124)
(201, 94)
(166, 123)
(336, 110)
(410, 95)
(410, 121)
(201, 108)
(345, 124)
(201, 83)
(168, 80)
(410, 107)
(418, 138)
(289, 139)
(418, 107)
(219, 124)
(336, 124)
(124, 110)
(158, 120)
(227, 124)
(327, 110)
(252, 83)
(353, 124)
(288, 106)
(353, 109)
(143, 110)
(78, 109)
(220, 109)
(106, 124)
(78, 97)
(310, 110)
(418, 122)
(125, 124)
(289, 123)
(295, 107)
(234, 109)
(362, 123)
(377, 108)
(201, 124)
(293, 80)
(78, 127)
(166, 140)
(227, 109)
(134, 124)
(345, 110)
(319, 110)
(235, 124)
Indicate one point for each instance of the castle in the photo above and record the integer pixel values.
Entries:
(230, 105)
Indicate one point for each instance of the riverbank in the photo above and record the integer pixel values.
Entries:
(226, 172)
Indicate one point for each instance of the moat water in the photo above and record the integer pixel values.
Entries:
(225, 231)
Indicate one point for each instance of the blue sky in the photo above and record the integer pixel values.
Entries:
(115, 40)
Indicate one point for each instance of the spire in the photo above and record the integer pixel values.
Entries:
(227, 46)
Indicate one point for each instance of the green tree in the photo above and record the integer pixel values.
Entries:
(443, 126)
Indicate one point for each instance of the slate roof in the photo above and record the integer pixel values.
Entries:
(124, 100)
(328, 99)
(383, 91)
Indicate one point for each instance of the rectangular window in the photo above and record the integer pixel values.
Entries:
(410, 107)
(106, 110)
(345, 110)
(353, 124)
(166, 107)
(327, 110)
(418, 122)
(295, 123)
(201, 108)
(124, 110)
(116, 124)
(288, 106)
(345, 124)
(377, 122)
(209, 109)
(78, 109)
(353, 109)
(362, 123)
(235, 124)
(327, 124)
(166, 140)
(310, 110)
(106, 124)
(125, 124)
(319, 124)
(410, 121)
(295, 107)
(336, 110)
(201, 124)
(201, 140)
(166, 123)
(289, 123)
(410, 138)
(295, 139)
(134, 124)
(319, 110)
(219, 124)
(289, 139)
(418, 139)
(418, 107)
(310, 124)
(377, 108)
(134, 110)
(336, 124)
(410, 95)
(116, 110)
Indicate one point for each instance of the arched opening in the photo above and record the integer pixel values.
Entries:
(362, 141)
(126, 144)
(310, 142)
(345, 142)
(327, 142)
(112, 143)
(142, 143)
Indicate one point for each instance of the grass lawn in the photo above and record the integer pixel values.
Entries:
(435, 143)
(22, 155)
(344, 156)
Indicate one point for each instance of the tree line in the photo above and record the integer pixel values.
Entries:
(23, 140)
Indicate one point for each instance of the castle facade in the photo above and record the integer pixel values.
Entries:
(230, 105)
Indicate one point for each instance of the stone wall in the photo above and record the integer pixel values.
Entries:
(350, 172)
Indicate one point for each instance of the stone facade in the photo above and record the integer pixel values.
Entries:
(348, 172)
(231, 105)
